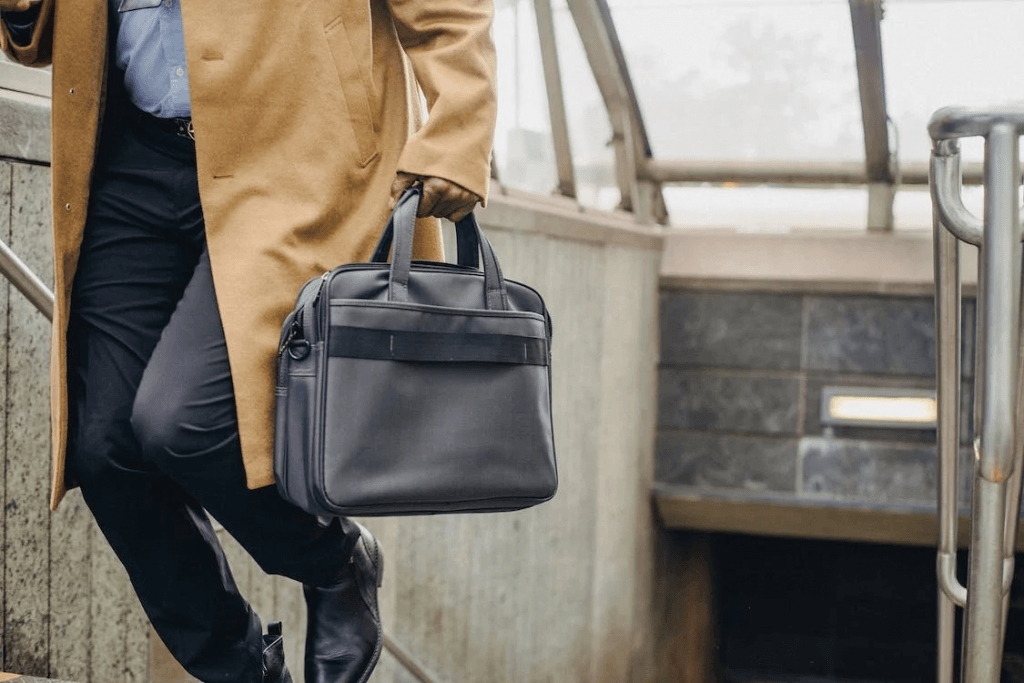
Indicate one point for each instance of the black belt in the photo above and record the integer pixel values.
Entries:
(178, 125)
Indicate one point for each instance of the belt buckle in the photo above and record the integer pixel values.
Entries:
(186, 129)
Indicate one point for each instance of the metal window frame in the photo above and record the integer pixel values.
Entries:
(760, 172)
(556, 99)
(607, 61)
(879, 160)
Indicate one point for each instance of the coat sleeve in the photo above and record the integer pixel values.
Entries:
(29, 46)
(452, 54)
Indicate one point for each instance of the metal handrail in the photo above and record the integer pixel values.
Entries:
(408, 662)
(999, 383)
(946, 181)
(26, 282)
(946, 184)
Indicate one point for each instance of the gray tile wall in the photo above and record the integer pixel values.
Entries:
(749, 404)
(870, 335)
(740, 384)
(756, 331)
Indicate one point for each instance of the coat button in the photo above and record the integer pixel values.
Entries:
(72, 91)
(67, 207)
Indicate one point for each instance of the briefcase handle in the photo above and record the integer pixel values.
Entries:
(467, 247)
(401, 227)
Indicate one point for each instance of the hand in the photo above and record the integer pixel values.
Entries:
(17, 5)
(441, 198)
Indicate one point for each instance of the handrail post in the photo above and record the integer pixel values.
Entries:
(947, 372)
(999, 383)
(983, 639)
(947, 362)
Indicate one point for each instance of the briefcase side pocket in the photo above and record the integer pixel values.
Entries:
(295, 423)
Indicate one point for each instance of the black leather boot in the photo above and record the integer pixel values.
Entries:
(274, 669)
(343, 631)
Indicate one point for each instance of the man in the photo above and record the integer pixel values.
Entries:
(209, 158)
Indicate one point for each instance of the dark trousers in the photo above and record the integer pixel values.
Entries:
(153, 433)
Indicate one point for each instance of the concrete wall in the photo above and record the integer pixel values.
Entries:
(558, 593)
(66, 606)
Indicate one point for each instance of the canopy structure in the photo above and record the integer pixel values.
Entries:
(754, 114)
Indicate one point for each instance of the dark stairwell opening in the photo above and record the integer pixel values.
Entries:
(806, 611)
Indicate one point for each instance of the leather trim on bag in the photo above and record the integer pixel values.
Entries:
(436, 347)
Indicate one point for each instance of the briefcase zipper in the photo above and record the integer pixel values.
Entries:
(320, 402)
(296, 328)
(320, 288)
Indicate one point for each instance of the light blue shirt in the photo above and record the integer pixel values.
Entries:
(151, 52)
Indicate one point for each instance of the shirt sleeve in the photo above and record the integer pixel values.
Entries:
(21, 24)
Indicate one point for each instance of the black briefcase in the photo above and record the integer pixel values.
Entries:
(415, 387)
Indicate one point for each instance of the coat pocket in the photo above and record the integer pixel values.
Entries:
(355, 88)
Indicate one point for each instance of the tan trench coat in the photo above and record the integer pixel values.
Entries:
(303, 112)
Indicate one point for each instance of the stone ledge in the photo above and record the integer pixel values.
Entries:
(510, 209)
(25, 79)
(836, 262)
(788, 515)
(24, 127)
(27, 679)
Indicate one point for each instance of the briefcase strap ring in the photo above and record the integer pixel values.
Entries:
(298, 349)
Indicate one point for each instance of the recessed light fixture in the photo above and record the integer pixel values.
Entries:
(867, 407)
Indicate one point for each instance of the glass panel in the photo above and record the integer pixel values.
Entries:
(942, 53)
(767, 209)
(912, 208)
(742, 79)
(522, 143)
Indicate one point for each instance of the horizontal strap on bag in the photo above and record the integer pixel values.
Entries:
(436, 347)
